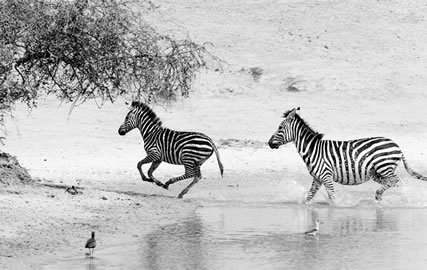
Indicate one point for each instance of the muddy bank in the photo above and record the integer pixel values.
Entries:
(11, 172)
(41, 221)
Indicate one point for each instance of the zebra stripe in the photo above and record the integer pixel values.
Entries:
(190, 149)
(345, 162)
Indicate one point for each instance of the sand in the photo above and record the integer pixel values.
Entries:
(40, 222)
(356, 69)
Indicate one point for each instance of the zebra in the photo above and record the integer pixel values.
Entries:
(190, 149)
(346, 162)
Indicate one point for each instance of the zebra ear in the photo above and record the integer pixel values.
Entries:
(129, 106)
(292, 113)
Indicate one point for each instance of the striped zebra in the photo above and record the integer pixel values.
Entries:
(190, 149)
(345, 162)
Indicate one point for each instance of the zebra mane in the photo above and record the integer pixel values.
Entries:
(148, 112)
(307, 127)
(285, 114)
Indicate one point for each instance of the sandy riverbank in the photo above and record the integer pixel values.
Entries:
(39, 222)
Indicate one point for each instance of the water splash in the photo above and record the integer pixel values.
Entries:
(410, 194)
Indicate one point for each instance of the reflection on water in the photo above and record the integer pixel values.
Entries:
(173, 246)
(270, 236)
(91, 265)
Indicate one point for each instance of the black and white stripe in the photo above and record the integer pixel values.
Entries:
(345, 162)
(190, 149)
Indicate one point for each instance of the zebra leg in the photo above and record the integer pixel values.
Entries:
(148, 159)
(153, 167)
(387, 182)
(189, 172)
(329, 185)
(195, 180)
(315, 185)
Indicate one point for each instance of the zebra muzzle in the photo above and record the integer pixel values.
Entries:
(273, 145)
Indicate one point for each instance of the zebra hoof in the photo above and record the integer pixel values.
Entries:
(378, 195)
(160, 184)
(165, 186)
(308, 202)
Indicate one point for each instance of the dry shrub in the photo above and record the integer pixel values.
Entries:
(90, 49)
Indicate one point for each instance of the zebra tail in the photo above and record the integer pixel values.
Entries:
(412, 172)
(221, 168)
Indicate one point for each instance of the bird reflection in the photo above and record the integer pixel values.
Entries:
(91, 265)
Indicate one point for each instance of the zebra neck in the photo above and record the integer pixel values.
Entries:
(150, 132)
(307, 142)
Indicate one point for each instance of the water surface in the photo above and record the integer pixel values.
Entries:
(233, 235)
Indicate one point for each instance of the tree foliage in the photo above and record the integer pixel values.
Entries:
(90, 49)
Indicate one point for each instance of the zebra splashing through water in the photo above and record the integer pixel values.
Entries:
(190, 149)
(345, 162)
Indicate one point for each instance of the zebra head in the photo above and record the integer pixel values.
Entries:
(284, 133)
(140, 116)
(131, 120)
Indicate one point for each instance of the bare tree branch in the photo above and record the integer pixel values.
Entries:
(98, 49)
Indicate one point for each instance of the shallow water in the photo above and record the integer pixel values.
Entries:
(232, 235)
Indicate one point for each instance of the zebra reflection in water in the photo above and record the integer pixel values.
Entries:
(345, 162)
(190, 149)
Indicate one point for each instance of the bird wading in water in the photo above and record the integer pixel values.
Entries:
(91, 244)
(315, 230)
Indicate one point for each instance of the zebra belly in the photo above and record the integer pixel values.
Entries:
(347, 175)
(172, 161)
(172, 157)
(350, 179)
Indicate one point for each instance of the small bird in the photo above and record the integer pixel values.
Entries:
(315, 230)
(91, 244)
